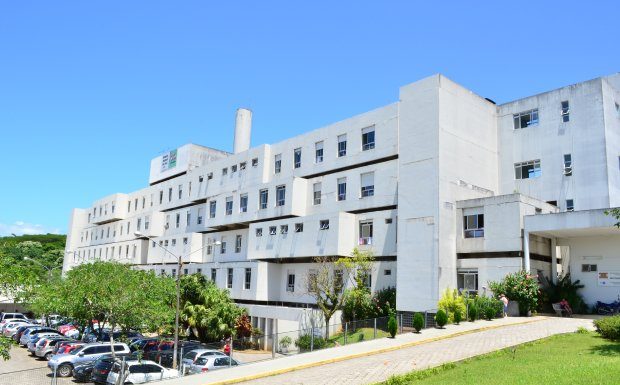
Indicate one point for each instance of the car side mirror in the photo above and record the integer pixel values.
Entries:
(81, 354)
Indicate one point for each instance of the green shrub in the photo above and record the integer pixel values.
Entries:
(489, 313)
(520, 287)
(286, 341)
(582, 330)
(451, 301)
(441, 318)
(488, 307)
(391, 326)
(418, 322)
(473, 312)
(304, 342)
(609, 327)
(458, 317)
(566, 289)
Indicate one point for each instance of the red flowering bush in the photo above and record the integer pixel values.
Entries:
(521, 287)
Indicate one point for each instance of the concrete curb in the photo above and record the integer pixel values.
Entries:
(372, 352)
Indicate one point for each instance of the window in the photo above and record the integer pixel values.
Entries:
(212, 209)
(128, 207)
(387, 272)
(277, 163)
(568, 164)
(223, 248)
(229, 205)
(473, 226)
(587, 268)
(229, 278)
(342, 189)
(318, 152)
(180, 191)
(617, 109)
(248, 278)
(138, 226)
(170, 194)
(233, 168)
(178, 220)
(338, 280)
(299, 227)
(259, 231)
(367, 280)
(368, 184)
(565, 111)
(210, 176)
(213, 275)
(467, 280)
(525, 119)
(280, 195)
(199, 270)
(570, 205)
(238, 244)
(242, 165)
(161, 196)
(263, 198)
(174, 272)
(200, 179)
(312, 281)
(185, 240)
(368, 138)
(174, 242)
(255, 162)
(388, 221)
(290, 283)
(316, 193)
(365, 233)
(272, 230)
(297, 157)
(185, 271)
(284, 229)
(243, 203)
(324, 224)
(188, 218)
(342, 145)
(166, 243)
(225, 171)
(527, 170)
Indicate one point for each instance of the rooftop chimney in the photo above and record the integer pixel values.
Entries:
(243, 130)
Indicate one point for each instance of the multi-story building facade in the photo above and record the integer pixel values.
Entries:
(446, 188)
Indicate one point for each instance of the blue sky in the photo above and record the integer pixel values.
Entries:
(90, 91)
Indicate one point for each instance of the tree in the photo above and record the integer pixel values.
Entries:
(615, 212)
(206, 309)
(326, 282)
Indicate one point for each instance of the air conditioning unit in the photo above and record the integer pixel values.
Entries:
(568, 170)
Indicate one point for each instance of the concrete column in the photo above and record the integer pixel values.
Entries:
(526, 251)
(554, 260)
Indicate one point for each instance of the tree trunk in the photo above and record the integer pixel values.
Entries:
(327, 318)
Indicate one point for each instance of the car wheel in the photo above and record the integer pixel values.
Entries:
(48, 356)
(64, 370)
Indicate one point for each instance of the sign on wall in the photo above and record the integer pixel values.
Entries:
(169, 160)
(609, 278)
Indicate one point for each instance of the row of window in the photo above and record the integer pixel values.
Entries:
(531, 168)
(368, 143)
(530, 118)
(110, 231)
(106, 253)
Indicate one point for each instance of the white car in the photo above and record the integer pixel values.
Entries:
(7, 321)
(209, 363)
(11, 327)
(140, 372)
(191, 357)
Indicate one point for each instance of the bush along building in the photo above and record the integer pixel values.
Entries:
(446, 188)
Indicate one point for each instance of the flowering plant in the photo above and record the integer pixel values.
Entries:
(521, 287)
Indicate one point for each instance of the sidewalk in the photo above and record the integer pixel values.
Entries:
(377, 360)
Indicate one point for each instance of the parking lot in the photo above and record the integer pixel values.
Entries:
(23, 368)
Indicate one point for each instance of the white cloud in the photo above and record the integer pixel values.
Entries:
(21, 228)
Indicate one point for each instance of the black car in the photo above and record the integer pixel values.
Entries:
(20, 331)
(165, 357)
(101, 367)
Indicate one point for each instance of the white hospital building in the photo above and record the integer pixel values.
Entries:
(446, 188)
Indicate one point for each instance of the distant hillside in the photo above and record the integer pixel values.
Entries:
(48, 241)
(47, 249)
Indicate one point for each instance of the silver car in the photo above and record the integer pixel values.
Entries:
(210, 363)
(45, 348)
(11, 328)
(32, 332)
(191, 357)
(63, 364)
(35, 339)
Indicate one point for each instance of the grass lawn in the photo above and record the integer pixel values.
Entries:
(361, 334)
(569, 359)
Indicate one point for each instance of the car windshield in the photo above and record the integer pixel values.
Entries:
(202, 360)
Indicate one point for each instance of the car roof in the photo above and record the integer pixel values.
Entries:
(103, 343)
(143, 362)
(200, 351)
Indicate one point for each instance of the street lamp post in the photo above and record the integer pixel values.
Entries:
(178, 290)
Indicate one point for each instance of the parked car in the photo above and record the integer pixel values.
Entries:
(8, 321)
(141, 343)
(63, 364)
(141, 372)
(6, 316)
(192, 356)
(30, 332)
(210, 363)
(103, 365)
(34, 340)
(20, 331)
(164, 353)
(11, 328)
(45, 349)
(66, 348)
